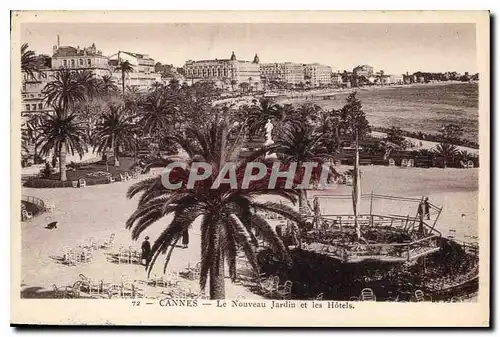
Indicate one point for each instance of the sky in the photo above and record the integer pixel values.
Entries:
(394, 48)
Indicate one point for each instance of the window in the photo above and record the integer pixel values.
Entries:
(33, 106)
(89, 62)
(81, 62)
(28, 107)
(72, 63)
(40, 106)
(65, 63)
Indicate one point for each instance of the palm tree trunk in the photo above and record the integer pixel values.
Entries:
(114, 148)
(217, 289)
(123, 82)
(62, 162)
(302, 198)
(35, 148)
(117, 161)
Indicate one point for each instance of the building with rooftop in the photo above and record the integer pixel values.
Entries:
(143, 74)
(68, 57)
(317, 75)
(287, 72)
(363, 70)
(228, 73)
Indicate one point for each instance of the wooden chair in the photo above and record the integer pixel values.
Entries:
(67, 292)
(392, 162)
(86, 256)
(470, 164)
(404, 163)
(70, 258)
(367, 295)
(107, 244)
(411, 163)
(115, 290)
(319, 297)
(159, 281)
(419, 296)
(26, 216)
(94, 287)
(122, 177)
(82, 182)
(138, 291)
(124, 256)
(127, 290)
(285, 291)
(194, 272)
(270, 286)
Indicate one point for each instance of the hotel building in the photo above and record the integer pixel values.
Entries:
(318, 74)
(68, 57)
(143, 75)
(225, 72)
(287, 72)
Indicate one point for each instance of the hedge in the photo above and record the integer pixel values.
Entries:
(51, 183)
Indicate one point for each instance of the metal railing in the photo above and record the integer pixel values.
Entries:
(36, 201)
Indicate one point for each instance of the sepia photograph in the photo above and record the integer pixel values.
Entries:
(316, 165)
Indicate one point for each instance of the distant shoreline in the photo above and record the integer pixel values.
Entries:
(283, 97)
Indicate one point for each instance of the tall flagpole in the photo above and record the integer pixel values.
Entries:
(356, 190)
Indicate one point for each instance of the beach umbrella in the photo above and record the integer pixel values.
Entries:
(356, 191)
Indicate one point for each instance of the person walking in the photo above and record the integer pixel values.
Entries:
(146, 251)
(185, 239)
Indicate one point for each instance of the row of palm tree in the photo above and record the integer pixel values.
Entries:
(228, 217)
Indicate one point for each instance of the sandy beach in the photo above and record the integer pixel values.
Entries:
(98, 211)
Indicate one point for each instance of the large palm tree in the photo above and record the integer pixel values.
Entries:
(227, 215)
(124, 67)
(158, 115)
(29, 62)
(66, 89)
(107, 85)
(91, 84)
(115, 130)
(62, 134)
(301, 143)
(447, 152)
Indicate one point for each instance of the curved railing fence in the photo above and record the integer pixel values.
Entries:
(398, 237)
(36, 201)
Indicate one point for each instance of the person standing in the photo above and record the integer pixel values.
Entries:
(146, 251)
(185, 239)
(427, 208)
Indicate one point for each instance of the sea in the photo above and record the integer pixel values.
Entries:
(414, 108)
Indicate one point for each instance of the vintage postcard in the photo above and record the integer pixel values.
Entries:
(299, 169)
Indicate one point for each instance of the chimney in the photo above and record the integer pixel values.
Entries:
(54, 49)
(77, 49)
(58, 41)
